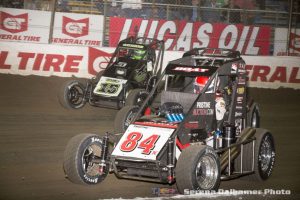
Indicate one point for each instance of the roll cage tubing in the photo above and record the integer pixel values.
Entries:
(152, 43)
(212, 77)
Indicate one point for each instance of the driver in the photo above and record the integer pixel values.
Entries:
(199, 83)
(138, 54)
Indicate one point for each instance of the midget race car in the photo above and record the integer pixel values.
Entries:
(197, 126)
(130, 74)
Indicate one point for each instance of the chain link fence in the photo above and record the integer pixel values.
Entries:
(252, 12)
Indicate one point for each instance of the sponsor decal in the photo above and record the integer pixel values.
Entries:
(238, 114)
(239, 100)
(190, 69)
(184, 36)
(13, 23)
(280, 42)
(137, 46)
(78, 29)
(234, 68)
(203, 111)
(191, 125)
(24, 25)
(97, 60)
(240, 90)
(75, 28)
(263, 73)
(203, 105)
(86, 62)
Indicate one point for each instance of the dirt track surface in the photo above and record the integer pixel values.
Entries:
(34, 130)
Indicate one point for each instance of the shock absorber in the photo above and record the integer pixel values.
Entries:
(170, 160)
(104, 153)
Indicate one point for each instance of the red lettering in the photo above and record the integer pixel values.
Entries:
(38, 61)
(72, 63)
(260, 72)
(293, 77)
(3, 57)
(279, 75)
(54, 61)
(24, 59)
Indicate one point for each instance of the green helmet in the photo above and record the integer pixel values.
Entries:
(138, 54)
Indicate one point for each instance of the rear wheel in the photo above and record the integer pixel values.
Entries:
(124, 117)
(71, 95)
(198, 168)
(80, 157)
(264, 156)
(136, 97)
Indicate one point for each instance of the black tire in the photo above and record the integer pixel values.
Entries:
(71, 95)
(77, 162)
(136, 97)
(188, 166)
(264, 156)
(253, 116)
(124, 118)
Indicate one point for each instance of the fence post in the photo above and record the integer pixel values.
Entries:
(290, 27)
(52, 22)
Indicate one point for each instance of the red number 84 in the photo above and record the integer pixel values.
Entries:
(132, 142)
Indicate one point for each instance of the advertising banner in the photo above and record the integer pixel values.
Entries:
(280, 42)
(21, 25)
(78, 29)
(183, 36)
(85, 62)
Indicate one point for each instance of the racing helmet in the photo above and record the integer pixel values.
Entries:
(138, 54)
(199, 83)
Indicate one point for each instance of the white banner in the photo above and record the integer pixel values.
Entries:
(24, 25)
(280, 42)
(86, 62)
(78, 29)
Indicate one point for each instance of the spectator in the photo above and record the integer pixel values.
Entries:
(132, 8)
(100, 5)
(195, 12)
(211, 15)
(248, 17)
(63, 6)
(230, 16)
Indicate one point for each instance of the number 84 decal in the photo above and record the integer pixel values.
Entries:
(134, 140)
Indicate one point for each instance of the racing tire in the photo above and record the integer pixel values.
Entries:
(136, 97)
(198, 168)
(124, 117)
(264, 157)
(71, 95)
(78, 165)
(253, 116)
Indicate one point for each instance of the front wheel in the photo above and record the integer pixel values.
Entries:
(136, 97)
(253, 116)
(198, 168)
(71, 95)
(124, 118)
(264, 156)
(81, 159)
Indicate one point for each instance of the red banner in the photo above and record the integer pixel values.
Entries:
(183, 36)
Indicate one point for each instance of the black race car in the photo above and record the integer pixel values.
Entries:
(130, 74)
(197, 126)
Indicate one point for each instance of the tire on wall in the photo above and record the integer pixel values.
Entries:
(78, 165)
(198, 168)
(71, 95)
(124, 117)
(264, 156)
(136, 97)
